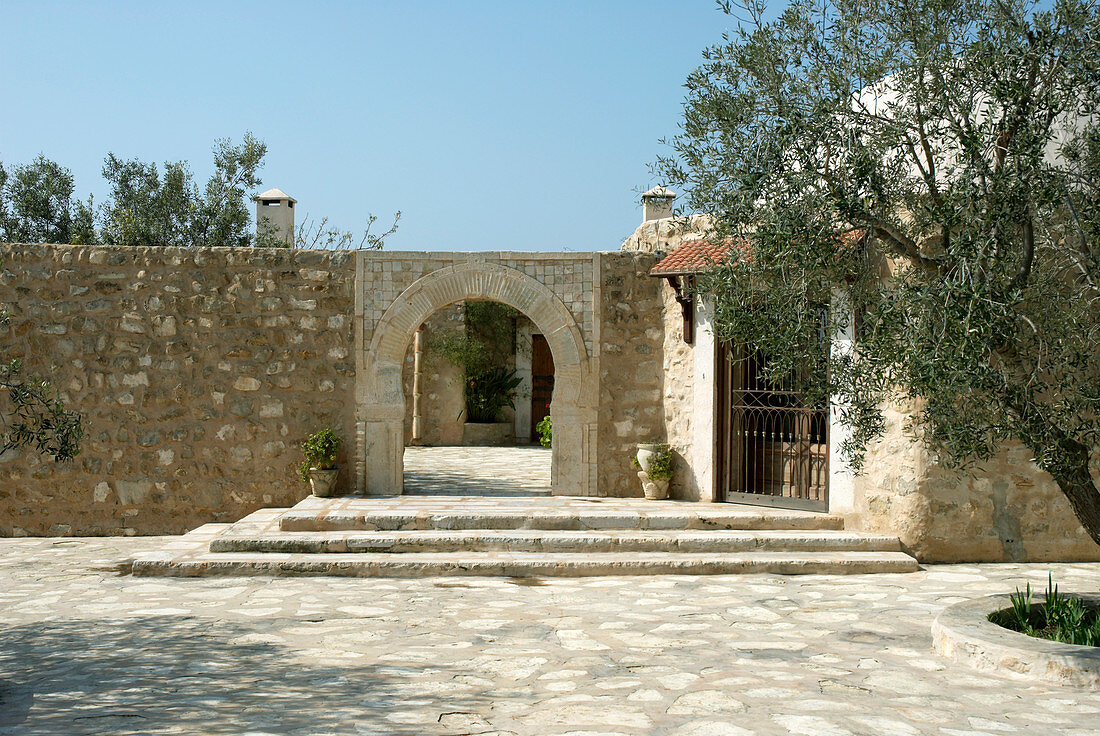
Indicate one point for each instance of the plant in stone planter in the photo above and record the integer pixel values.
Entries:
(489, 392)
(654, 461)
(319, 466)
(483, 350)
(1060, 617)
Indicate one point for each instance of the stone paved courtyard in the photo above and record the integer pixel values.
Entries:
(477, 471)
(87, 650)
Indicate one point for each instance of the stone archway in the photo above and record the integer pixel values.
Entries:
(381, 400)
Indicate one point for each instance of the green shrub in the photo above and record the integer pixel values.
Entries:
(320, 449)
(545, 431)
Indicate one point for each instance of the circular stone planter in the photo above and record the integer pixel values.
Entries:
(963, 633)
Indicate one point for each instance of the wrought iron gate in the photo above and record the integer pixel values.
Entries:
(773, 449)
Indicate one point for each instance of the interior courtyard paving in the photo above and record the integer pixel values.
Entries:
(477, 471)
(88, 649)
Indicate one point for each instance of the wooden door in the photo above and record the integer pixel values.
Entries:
(542, 381)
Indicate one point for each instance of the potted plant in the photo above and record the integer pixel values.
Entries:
(545, 430)
(319, 466)
(654, 461)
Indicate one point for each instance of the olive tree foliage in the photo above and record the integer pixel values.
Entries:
(37, 205)
(932, 167)
(33, 415)
(150, 207)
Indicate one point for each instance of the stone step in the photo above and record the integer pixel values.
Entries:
(522, 564)
(236, 539)
(457, 513)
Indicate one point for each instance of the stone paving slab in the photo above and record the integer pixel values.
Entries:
(477, 471)
(85, 650)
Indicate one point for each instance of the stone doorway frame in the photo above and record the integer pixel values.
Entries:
(380, 398)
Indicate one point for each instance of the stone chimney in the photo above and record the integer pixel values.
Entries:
(275, 215)
(657, 204)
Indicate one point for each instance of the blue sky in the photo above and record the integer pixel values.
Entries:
(491, 125)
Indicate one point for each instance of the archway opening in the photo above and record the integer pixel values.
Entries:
(382, 406)
(478, 380)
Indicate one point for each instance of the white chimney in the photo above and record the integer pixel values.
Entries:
(275, 215)
(657, 204)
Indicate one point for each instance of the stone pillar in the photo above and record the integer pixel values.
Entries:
(841, 477)
(702, 407)
(574, 450)
(384, 432)
(523, 391)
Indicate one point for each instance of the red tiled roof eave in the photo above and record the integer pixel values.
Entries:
(699, 256)
(694, 256)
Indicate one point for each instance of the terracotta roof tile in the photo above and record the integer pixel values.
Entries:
(694, 256)
(697, 256)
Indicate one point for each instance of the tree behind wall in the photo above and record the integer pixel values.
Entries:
(934, 167)
(146, 207)
(37, 205)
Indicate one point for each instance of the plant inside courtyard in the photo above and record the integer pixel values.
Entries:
(320, 450)
(489, 392)
(931, 169)
(1059, 617)
(481, 350)
(545, 430)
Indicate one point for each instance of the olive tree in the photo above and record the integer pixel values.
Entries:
(37, 205)
(148, 207)
(931, 167)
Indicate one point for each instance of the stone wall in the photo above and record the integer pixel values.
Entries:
(631, 380)
(1003, 510)
(678, 398)
(664, 235)
(677, 368)
(198, 371)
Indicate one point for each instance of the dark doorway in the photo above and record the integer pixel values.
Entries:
(773, 448)
(542, 381)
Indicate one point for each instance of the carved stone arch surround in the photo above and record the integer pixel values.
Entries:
(381, 400)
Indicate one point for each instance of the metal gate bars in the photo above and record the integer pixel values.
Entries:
(772, 449)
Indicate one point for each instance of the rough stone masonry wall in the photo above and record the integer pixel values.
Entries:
(1005, 509)
(677, 357)
(678, 375)
(198, 371)
(631, 368)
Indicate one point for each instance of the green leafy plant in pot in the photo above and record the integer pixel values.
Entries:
(654, 463)
(319, 466)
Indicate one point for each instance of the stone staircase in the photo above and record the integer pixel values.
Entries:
(408, 536)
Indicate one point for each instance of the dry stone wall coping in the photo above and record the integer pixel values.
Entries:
(963, 633)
